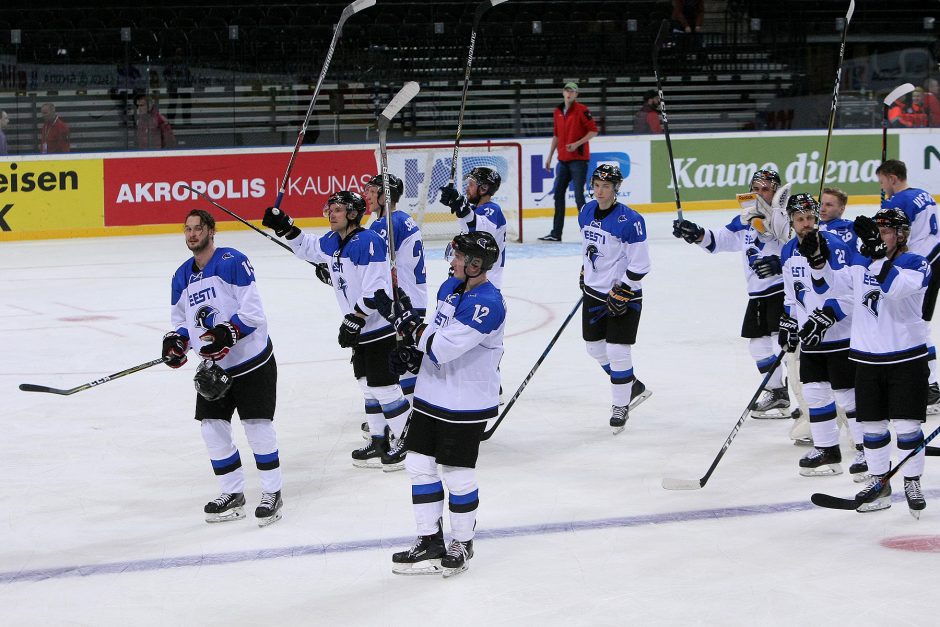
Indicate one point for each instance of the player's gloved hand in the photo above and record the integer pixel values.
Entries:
(788, 335)
(815, 328)
(766, 267)
(815, 248)
(457, 203)
(407, 323)
(689, 231)
(323, 273)
(349, 330)
(872, 245)
(282, 223)
(221, 338)
(174, 349)
(385, 305)
(405, 359)
(618, 298)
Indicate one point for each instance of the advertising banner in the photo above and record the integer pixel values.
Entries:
(920, 152)
(44, 195)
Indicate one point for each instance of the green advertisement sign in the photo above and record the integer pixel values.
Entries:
(719, 168)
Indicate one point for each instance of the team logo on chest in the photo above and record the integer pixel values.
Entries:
(592, 254)
(871, 301)
(206, 316)
(341, 285)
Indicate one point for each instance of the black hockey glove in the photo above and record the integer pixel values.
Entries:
(872, 245)
(221, 338)
(174, 349)
(815, 328)
(457, 203)
(766, 267)
(407, 323)
(815, 248)
(349, 330)
(689, 231)
(405, 359)
(617, 300)
(385, 305)
(323, 273)
(282, 223)
(788, 335)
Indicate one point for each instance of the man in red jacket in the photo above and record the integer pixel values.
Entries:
(574, 128)
(55, 135)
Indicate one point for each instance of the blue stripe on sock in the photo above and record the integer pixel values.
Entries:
(763, 365)
(818, 411)
(228, 461)
(606, 368)
(267, 458)
(463, 499)
(427, 488)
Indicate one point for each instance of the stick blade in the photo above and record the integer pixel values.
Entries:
(848, 14)
(897, 92)
(682, 484)
(403, 97)
(359, 5)
(833, 502)
(30, 387)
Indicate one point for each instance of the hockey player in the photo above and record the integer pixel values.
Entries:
(818, 315)
(214, 298)
(889, 345)
(758, 233)
(358, 270)
(477, 212)
(615, 258)
(832, 204)
(921, 211)
(456, 356)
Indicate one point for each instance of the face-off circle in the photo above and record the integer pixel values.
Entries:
(916, 544)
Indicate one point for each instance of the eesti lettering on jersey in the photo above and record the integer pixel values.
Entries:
(806, 290)
(488, 216)
(223, 291)
(615, 250)
(845, 229)
(409, 256)
(459, 377)
(921, 209)
(740, 236)
(358, 268)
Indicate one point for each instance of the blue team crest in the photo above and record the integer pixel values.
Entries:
(451, 298)
(206, 316)
(592, 254)
(871, 302)
(228, 256)
(623, 218)
(799, 288)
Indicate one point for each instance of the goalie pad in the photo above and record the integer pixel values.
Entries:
(771, 219)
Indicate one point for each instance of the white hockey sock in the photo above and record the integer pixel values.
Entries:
(374, 415)
(226, 462)
(395, 408)
(877, 449)
(910, 436)
(427, 492)
(762, 351)
(621, 373)
(845, 399)
(598, 350)
(463, 501)
(263, 441)
(822, 413)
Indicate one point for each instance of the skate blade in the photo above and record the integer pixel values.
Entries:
(877, 505)
(639, 398)
(828, 470)
(236, 513)
(933, 410)
(450, 572)
(861, 477)
(778, 413)
(427, 567)
(915, 513)
(803, 442)
(393, 467)
(270, 520)
(375, 462)
(616, 430)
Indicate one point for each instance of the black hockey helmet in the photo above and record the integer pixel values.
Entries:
(212, 382)
(488, 177)
(609, 173)
(479, 246)
(355, 205)
(802, 203)
(395, 185)
(768, 176)
(893, 218)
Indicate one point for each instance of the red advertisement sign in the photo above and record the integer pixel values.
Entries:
(152, 190)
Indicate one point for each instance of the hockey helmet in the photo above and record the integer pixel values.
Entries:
(212, 382)
(768, 176)
(395, 185)
(488, 177)
(802, 203)
(354, 203)
(478, 246)
(894, 218)
(609, 173)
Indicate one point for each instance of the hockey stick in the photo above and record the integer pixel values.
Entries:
(29, 387)
(897, 92)
(834, 502)
(663, 30)
(690, 484)
(482, 8)
(349, 11)
(835, 97)
(488, 434)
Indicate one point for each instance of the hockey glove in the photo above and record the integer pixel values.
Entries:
(405, 359)
(323, 273)
(617, 300)
(174, 349)
(457, 203)
(280, 222)
(815, 328)
(815, 249)
(386, 306)
(221, 338)
(766, 267)
(349, 330)
(407, 323)
(788, 336)
(689, 231)
(872, 245)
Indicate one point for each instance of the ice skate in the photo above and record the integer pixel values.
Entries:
(774, 404)
(638, 394)
(800, 431)
(824, 461)
(394, 458)
(457, 558)
(225, 508)
(859, 467)
(872, 498)
(933, 399)
(370, 455)
(269, 510)
(423, 558)
(619, 414)
(914, 495)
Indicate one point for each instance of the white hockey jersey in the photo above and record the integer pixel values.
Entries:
(223, 291)
(738, 236)
(409, 256)
(462, 346)
(488, 216)
(358, 268)
(614, 249)
(921, 209)
(845, 229)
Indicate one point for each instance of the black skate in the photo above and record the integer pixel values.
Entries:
(370, 455)
(933, 399)
(914, 495)
(225, 508)
(774, 403)
(269, 510)
(394, 458)
(457, 557)
(872, 498)
(423, 558)
(859, 467)
(619, 414)
(824, 461)
(638, 393)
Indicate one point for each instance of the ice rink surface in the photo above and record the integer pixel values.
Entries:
(102, 491)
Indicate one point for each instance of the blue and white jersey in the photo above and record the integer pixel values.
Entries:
(223, 291)
(488, 216)
(358, 268)
(462, 346)
(845, 229)
(737, 236)
(804, 292)
(921, 209)
(409, 256)
(614, 249)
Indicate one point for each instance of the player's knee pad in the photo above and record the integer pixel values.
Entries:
(845, 398)
(366, 390)
(218, 437)
(420, 466)
(387, 394)
(598, 350)
(459, 480)
(261, 436)
(818, 394)
(621, 356)
(907, 428)
(761, 347)
(875, 428)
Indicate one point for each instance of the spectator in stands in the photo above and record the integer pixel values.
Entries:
(573, 129)
(177, 75)
(647, 121)
(687, 18)
(906, 113)
(55, 136)
(4, 121)
(153, 130)
(932, 101)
